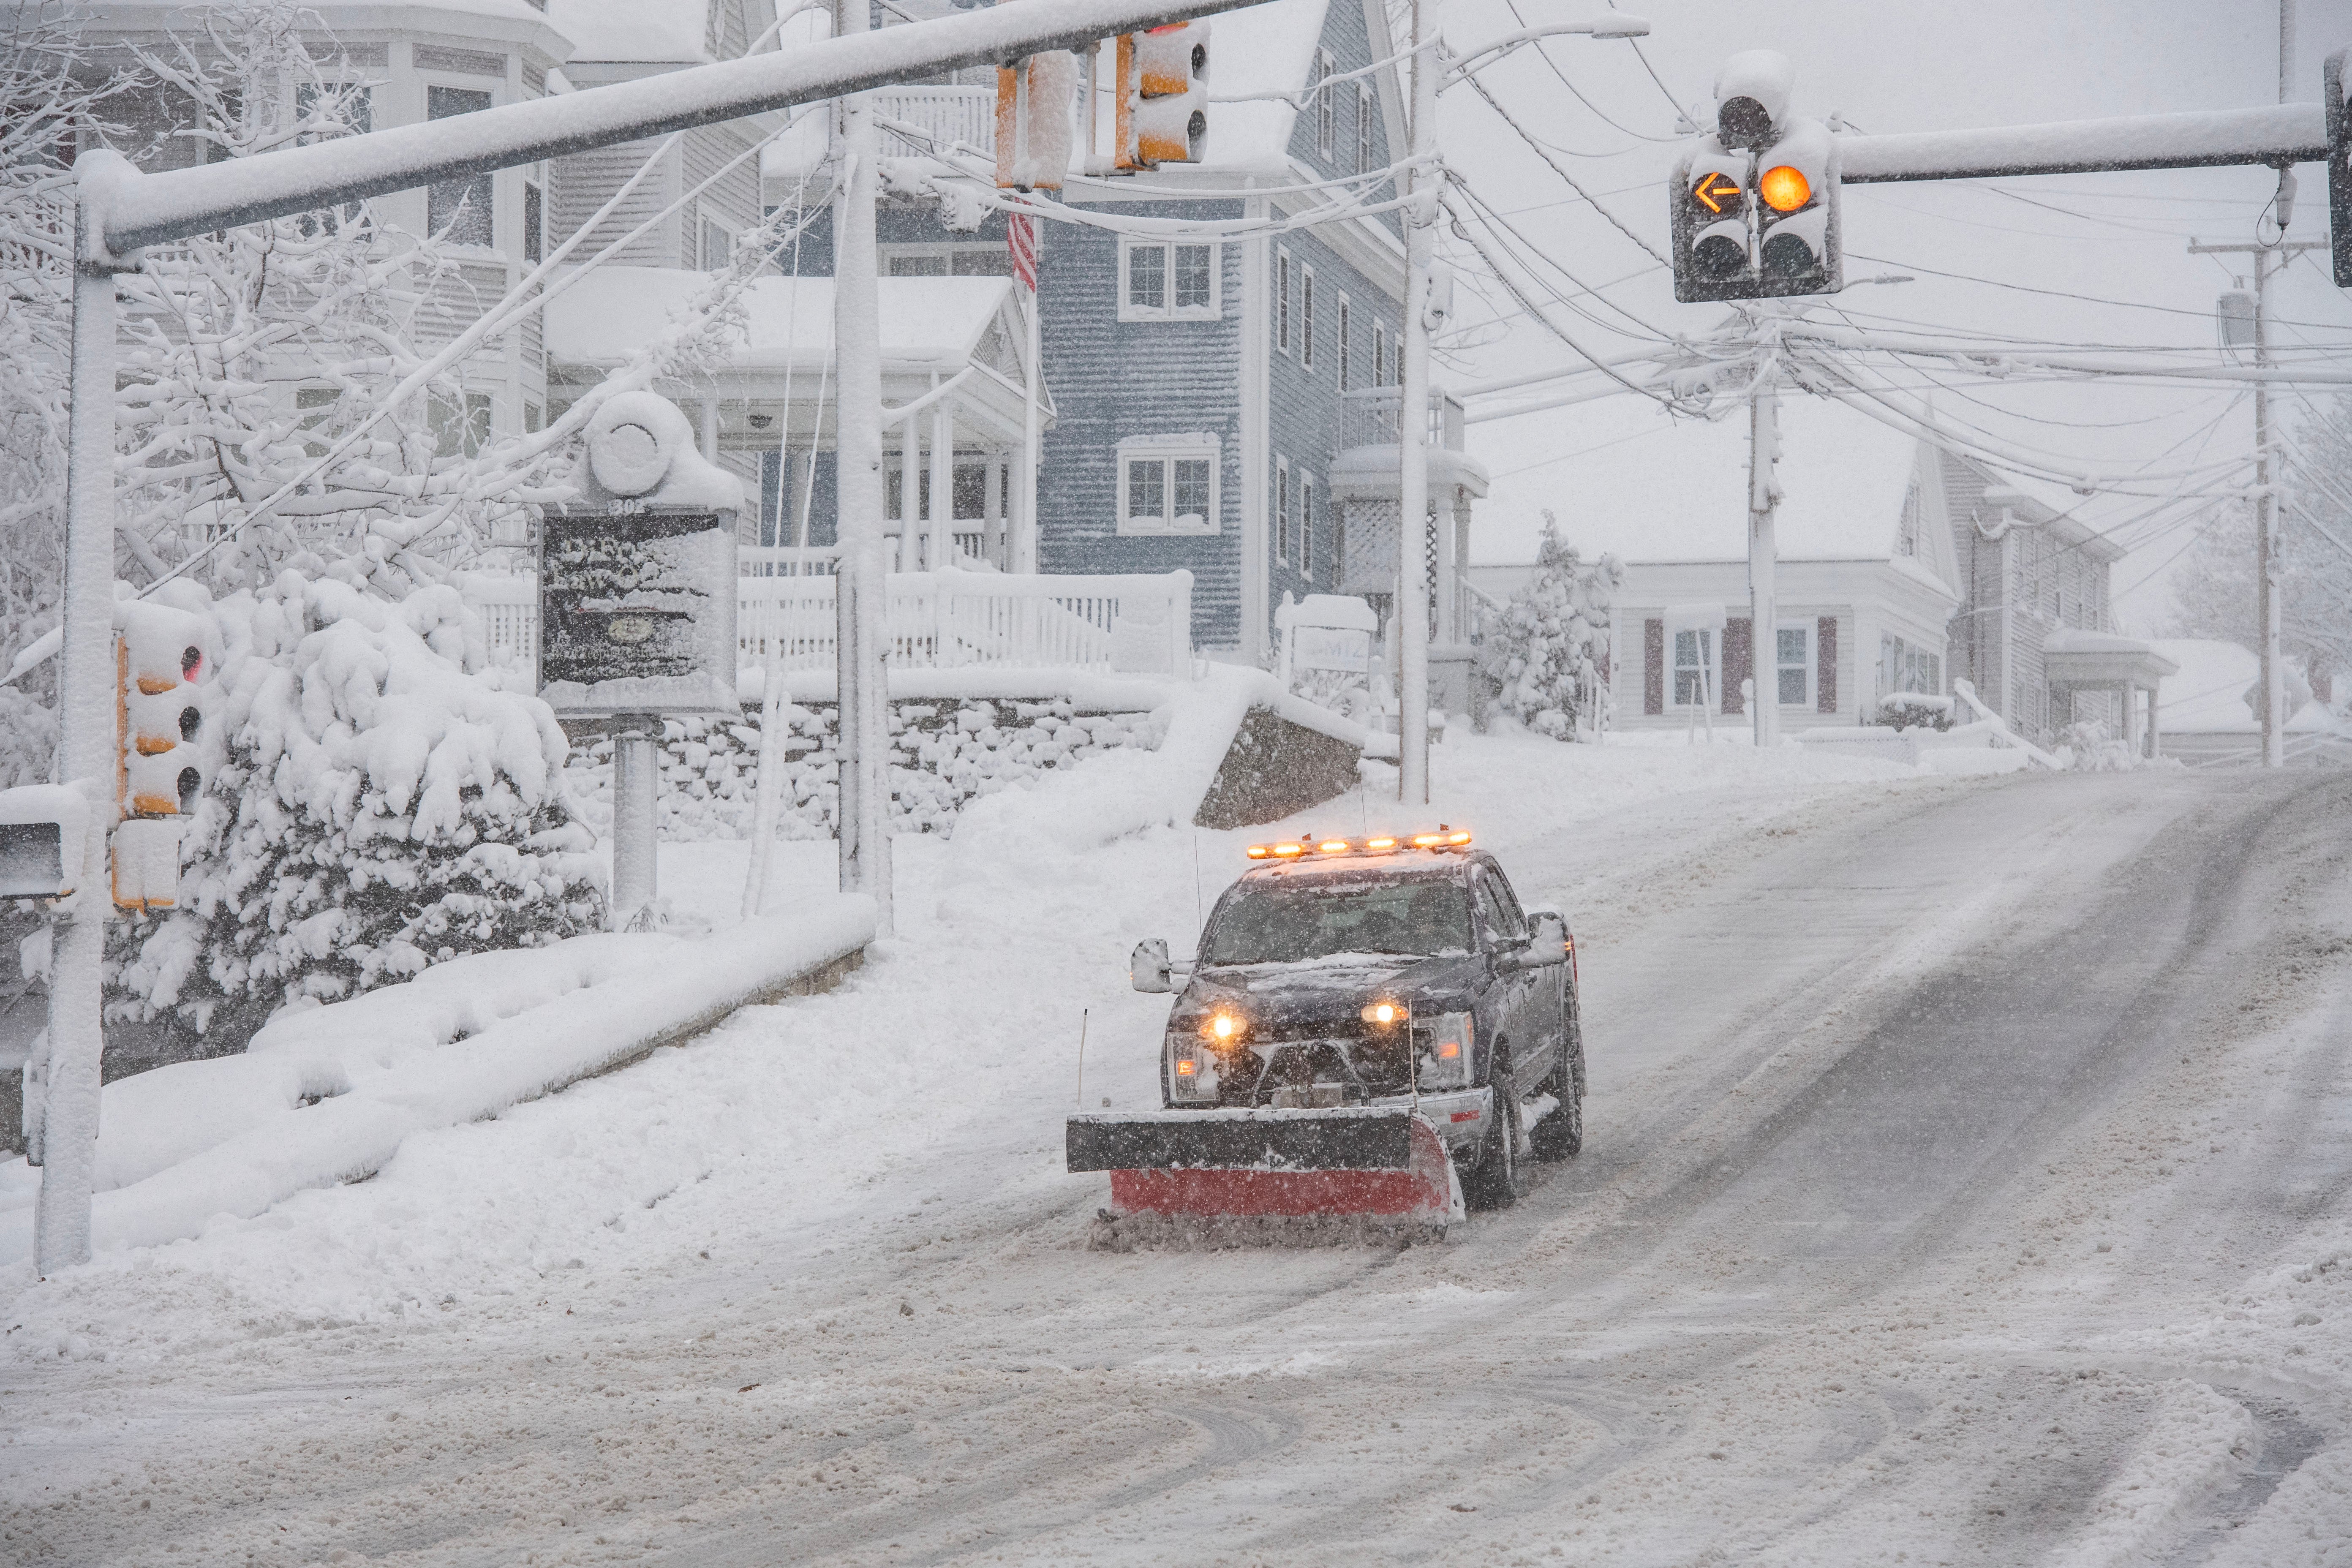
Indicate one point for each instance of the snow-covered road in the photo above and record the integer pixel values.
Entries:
(1966, 1182)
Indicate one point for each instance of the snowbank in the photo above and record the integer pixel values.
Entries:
(328, 1095)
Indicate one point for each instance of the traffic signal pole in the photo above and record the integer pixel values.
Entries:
(861, 583)
(61, 1230)
(1413, 438)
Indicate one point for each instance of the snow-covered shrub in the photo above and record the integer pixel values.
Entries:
(1547, 650)
(376, 809)
(1915, 710)
(943, 755)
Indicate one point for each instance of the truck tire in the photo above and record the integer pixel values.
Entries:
(1560, 1135)
(1499, 1179)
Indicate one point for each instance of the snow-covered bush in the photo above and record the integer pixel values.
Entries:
(1547, 650)
(376, 809)
(1915, 710)
(2091, 746)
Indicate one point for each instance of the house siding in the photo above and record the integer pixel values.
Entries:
(1111, 379)
(585, 180)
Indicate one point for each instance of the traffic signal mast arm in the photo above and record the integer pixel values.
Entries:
(2272, 134)
(148, 209)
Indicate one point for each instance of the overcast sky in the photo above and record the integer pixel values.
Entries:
(1892, 67)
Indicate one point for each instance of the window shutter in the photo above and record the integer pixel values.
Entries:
(1654, 667)
(1825, 665)
(1739, 663)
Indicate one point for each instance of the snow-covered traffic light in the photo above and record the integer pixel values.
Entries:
(1033, 120)
(1754, 206)
(162, 702)
(1162, 100)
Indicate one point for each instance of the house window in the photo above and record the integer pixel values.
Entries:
(1162, 282)
(534, 419)
(1907, 533)
(1343, 342)
(1282, 301)
(1380, 354)
(534, 225)
(1307, 317)
(717, 245)
(1168, 484)
(1282, 508)
(459, 430)
(1363, 126)
(1793, 651)
(1305, 526)
(1694, 680)
(314, 409)
(1904, 666)
(460, 210)
(1325, 108)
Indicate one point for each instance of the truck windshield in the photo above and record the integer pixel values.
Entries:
(1284, 924)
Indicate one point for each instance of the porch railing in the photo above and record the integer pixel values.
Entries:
(1368, 418)
(1138, 624)
(965, 114)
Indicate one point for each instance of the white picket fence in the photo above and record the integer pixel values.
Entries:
(1139, 625)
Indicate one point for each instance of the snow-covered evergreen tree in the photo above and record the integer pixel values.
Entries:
(377, 809)
(1548, 649)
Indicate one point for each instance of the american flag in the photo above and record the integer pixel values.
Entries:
(1021, 239)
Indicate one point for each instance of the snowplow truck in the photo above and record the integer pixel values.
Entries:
(1374, 1036)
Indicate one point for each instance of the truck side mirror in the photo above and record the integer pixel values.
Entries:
(1148, 968)
(1546, 945)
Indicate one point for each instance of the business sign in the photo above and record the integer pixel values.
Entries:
(1331, 648)
(636, 610)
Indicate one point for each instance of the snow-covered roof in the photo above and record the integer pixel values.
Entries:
(616, 310)
(655, 31)
(1678, 491)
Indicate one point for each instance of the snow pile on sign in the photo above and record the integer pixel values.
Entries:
(1547, 650)
(329, 1094)
(378, 809)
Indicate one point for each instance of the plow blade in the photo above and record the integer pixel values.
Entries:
(1271, 1175)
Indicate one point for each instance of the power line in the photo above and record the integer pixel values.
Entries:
(1553, 164)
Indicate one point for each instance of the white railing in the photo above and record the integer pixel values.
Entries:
(786, 560)
(948, 620)
(952, 114)
(1139, 625)
(1368, 418)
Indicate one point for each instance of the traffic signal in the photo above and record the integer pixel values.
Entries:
(162, 710)
(1163, 98)
(1754, 207)
(1033, 120)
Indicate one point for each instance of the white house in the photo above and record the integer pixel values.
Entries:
(1866, 585)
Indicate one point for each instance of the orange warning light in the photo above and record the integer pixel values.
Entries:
(1784, 189)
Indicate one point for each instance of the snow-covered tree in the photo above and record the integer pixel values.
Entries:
(1548, 648)
(377, 809)
(2214, 591)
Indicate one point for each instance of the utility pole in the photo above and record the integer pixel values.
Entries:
(861, 587)
(2268, 260)
(1413, 435)
(1763, 495)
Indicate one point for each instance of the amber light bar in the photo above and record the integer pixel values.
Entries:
(1445, 837)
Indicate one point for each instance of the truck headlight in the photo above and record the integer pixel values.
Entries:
(1191, 1070)
(1444, 1052)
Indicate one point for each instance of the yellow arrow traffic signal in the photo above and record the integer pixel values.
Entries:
(1714, 192)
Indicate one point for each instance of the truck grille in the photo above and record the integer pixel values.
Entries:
(1305, 1068)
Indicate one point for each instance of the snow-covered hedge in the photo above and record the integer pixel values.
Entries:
(944, 754)
(376, 808)
(1547, 651)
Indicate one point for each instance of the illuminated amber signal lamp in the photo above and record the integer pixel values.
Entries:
(1449, 1050)
(1784, 188)
(1716, 192)
(1445, 838)
(1382, 1013)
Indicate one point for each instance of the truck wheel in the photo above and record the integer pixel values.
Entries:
(1561, 1134)
(1499, 1179)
